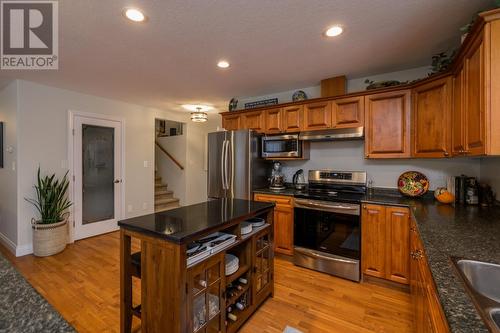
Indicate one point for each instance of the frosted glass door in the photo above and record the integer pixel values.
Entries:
(98, 173)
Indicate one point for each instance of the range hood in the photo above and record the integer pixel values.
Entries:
(333, 134)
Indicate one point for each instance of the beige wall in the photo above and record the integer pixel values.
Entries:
(43, 126)
(8, 175)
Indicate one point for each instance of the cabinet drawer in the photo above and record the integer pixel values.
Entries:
(277, 199)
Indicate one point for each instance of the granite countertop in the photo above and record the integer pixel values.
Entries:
(187, 223)
(471, 232)
(23, 309)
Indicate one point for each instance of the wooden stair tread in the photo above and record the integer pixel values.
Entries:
(159, 210)
(166, 201)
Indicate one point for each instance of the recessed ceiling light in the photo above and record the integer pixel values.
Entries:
(334, 31)
(134, 14)
(223, 64)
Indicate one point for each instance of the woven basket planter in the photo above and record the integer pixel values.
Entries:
(49, 239)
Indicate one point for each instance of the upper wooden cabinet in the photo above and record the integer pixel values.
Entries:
(458, 114)
(231, 122)
(254, 121)
(293, 118)
(385, 242)
(475, 135)
(431, 119)
(348, 112)
(318, 116)
(387, 130)
(274, 121)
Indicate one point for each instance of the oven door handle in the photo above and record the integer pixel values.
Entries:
(313, 253)
(309, 204)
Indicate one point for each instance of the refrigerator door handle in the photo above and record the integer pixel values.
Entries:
(223, 164)
(226, 168)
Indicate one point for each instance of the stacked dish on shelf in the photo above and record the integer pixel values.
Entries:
(246, 228)
(256, 222)
(206, 246)
(232, 264)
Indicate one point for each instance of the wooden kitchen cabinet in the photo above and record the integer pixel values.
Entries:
(429, 315)
(431, 119)
(318, 116)
(293, 118)
(274, 121)
(348, 112)
(254, 120)
(458, 114)
(385, 242)
(283, 221)
(231, 122)
(387, 130)
(373, 240)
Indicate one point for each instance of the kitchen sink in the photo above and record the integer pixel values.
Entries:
(483, 277)
(482, 282)
(495, 316)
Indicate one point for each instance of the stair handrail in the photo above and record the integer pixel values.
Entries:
(163, 150)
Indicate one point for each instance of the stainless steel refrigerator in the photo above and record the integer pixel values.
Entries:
(235, 168)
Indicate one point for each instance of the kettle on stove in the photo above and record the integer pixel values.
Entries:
(298, 180)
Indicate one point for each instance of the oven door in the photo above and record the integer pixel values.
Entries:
(329, 227)
(281, 146)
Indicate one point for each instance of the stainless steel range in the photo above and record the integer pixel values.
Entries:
(327, 224)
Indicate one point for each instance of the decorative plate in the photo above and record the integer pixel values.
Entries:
(299, 95)
(413, 184)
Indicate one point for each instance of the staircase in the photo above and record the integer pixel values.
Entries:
(164, 199)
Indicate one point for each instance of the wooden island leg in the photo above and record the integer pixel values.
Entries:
(125, 283)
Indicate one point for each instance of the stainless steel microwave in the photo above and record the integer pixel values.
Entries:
(287, 145)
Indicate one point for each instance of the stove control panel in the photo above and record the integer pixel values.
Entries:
(340, 177)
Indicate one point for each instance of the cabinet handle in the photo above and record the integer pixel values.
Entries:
(364, 206)
(413, 229)
(446, 153)
(367, 155)
(465, 151)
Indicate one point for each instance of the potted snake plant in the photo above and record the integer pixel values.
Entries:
(50, 230)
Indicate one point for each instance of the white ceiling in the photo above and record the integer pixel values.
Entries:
(272, 45)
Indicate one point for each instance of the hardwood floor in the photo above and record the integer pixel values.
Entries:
(82, 283)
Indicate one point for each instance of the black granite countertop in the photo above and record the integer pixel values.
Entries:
(470, 232)
(187, 223)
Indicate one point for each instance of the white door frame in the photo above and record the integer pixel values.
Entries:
(71, 167)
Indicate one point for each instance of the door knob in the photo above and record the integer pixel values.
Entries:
(117, 181)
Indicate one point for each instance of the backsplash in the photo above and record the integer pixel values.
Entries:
(349, 156)
(490, 173)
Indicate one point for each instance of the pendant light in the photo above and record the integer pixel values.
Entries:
(199, 116)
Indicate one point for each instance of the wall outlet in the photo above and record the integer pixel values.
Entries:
(145, 206)
(146, 164)
(130, 208)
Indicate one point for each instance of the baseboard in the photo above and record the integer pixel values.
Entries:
(22, 250)
(8, 243)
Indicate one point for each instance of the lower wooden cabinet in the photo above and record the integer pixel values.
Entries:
(385, 242)
(283, 221)
(429, 315)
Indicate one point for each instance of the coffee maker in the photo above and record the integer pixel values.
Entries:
(277, 180)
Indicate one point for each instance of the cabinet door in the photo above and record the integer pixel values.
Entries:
(348, 112)
(398, 244)
(388, 125)
(283, 221)
(432, 119)
(317, 116)
(373, 240)
(283, 229)
(262, 263)
(475, 135)
(274, 121)
(293, 118)
(231, 122)
(458, 114)
(205, 295)
(254, 121)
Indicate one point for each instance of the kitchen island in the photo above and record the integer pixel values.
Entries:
(184, 286)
